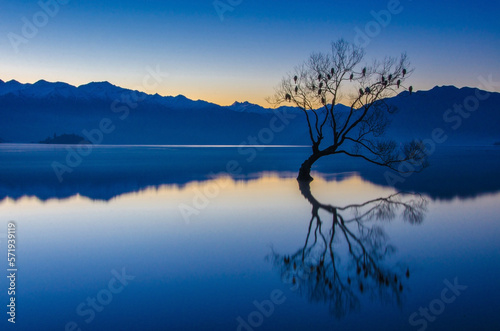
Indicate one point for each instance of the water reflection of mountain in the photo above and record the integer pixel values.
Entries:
(112, 171)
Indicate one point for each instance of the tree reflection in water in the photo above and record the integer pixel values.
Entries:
(345, 256)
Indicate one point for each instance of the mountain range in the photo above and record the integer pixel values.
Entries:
(31, 112)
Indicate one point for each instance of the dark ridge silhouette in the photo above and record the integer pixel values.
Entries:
(28, 112)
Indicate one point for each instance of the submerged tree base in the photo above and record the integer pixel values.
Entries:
(305, 168)
(305, 171)
(304, 177)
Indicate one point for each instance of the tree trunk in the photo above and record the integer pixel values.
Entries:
(305, 168)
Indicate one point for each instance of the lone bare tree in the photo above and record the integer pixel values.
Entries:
(322, 83)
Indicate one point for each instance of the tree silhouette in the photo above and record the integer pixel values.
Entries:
(318, 86)
(320, 270)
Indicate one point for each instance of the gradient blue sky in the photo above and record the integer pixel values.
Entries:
(245, 55)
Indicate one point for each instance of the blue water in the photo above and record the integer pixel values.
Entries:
(173, 238)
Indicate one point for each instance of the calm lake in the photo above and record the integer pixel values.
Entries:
(225, 238)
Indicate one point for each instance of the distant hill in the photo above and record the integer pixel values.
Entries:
(31, 112)
(69, 139)
(464, 118)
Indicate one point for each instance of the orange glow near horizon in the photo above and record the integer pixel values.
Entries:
(223, 188)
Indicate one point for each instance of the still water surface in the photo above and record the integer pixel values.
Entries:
(166, 238)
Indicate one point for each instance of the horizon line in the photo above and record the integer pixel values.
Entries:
(220, 105)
